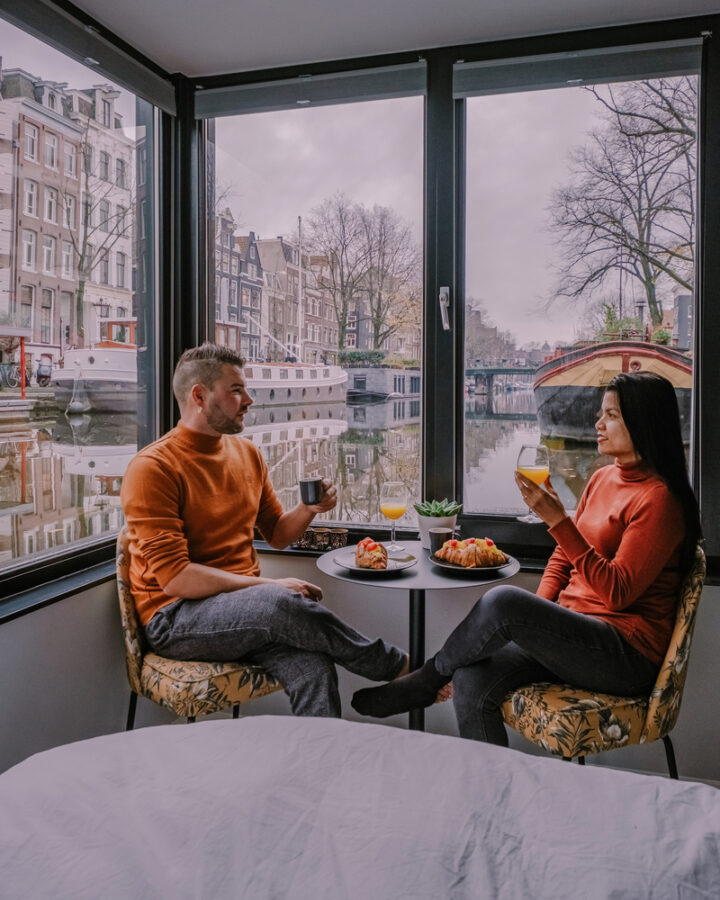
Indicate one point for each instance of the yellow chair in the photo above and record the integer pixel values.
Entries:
(573, 722)
(187, 688)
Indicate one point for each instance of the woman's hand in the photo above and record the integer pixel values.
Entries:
(544, 503)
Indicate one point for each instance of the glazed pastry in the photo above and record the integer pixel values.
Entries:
(369, 554)
(472, 553)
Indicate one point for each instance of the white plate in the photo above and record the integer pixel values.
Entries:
(401, 560)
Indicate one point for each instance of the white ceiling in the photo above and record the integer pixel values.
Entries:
(208, 37)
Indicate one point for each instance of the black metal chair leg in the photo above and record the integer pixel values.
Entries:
(581, 760)
(670, 754)
(131, 712)
(191, 719)
(236, 711)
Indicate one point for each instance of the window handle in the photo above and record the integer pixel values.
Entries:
(444, 299)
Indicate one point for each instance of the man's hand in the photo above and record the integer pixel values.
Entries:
(328, 499)
(311, 591)
(544, 503)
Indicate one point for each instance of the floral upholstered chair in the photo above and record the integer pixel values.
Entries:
(569, 721)
(187, 688)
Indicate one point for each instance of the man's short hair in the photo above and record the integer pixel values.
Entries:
(202, 365)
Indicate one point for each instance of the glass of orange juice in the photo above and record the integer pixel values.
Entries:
(393, 504)
(534, 463)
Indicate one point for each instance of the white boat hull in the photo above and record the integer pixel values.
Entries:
(98, 380)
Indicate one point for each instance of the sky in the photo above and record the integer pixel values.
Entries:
(278, 166)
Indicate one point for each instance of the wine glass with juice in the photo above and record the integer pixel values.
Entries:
(393, 505)
(534, 463)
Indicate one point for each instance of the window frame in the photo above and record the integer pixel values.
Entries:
(181, 236)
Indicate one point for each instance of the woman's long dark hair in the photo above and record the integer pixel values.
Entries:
(649, 407)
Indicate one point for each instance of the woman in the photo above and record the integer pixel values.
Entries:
(604, 612)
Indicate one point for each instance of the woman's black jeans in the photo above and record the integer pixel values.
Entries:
(512, 637)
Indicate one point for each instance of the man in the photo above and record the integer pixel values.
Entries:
(192, 501)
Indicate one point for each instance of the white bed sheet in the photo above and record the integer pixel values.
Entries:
(277, 807)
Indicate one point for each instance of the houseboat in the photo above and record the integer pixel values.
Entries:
(101, 378)
(569, 387)
(284, 383)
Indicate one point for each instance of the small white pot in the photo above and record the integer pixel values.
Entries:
(427, 522)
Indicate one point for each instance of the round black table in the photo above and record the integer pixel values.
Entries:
(423, 576)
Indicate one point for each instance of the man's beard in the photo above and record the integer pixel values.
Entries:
(223, 423)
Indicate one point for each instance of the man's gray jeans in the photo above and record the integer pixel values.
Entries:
(295, 639)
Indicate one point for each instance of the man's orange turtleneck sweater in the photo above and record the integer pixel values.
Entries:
(193, 497)
(618, 560)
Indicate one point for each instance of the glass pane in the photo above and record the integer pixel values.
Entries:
(580, 249)
(318, 282)
(73, 311)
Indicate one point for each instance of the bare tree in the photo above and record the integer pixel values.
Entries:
(336, 232)
(393, 275)
(629, 207)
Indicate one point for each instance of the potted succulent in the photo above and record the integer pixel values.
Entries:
(436, 514)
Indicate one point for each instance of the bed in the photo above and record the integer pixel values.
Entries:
(282, 807)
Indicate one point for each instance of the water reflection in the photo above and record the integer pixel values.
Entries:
(60, 479)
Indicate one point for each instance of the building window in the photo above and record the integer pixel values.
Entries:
(46, 310)
(120, 266)
(86, 215)
(141, 164)
(120, 172)
(31, 142)
(104, 215)
(30, 195)
(29, 249)
(67, 259)
(87, 159)
(51, 100)
(104, 166)
(70, 212)
(106, 113)
(48, 262)
(120, 215)
(27, 302)
(70, 159)
(51, 151)
(51, 205)
(105, 268)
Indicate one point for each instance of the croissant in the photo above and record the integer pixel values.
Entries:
(472, 553)
(369, 554)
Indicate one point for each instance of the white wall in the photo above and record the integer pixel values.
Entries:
(63, 677)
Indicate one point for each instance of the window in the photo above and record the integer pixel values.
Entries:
(104, 265)
(106, 113)
(46, 311)
(120, 264)
(590, 228)
(104, 215)
(104, 166)
(31, 142)
(70, 213)
(61, 489)
(51, 100)
(51, 205)
(30, 195)
(120, 172)
(48, 254)
(29, 249)
(51, 151)
(120, 217)
(70, 159)
(67, 259)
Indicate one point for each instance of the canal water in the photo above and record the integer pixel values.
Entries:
(60, 478)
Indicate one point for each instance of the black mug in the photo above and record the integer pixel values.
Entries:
(438, 536)
(311, 490)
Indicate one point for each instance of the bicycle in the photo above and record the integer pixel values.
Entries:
(13, 377)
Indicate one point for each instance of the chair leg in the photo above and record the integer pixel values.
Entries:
(191, 719)
(670, 754)
(131, 712)
(581, 760)
(236, 711)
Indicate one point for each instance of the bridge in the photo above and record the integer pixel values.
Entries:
(485, 375)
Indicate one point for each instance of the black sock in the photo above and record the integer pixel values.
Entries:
(413, 691)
